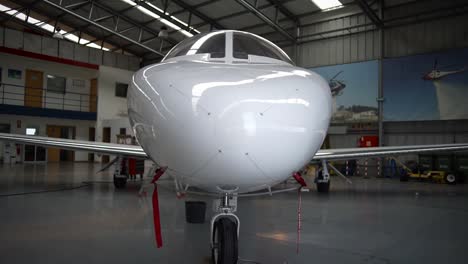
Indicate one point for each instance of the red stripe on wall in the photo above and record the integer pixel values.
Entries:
(48, 58)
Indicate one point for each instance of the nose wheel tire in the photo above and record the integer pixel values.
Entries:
(450, 179)
(323, 187)
(120, 182)
(224, 249)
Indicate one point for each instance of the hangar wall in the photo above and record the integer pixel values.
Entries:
(41, 124)
(347, 35)
(21, 63)
(112, 112)
(14, 39)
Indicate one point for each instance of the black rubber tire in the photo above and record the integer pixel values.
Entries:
(120, 183)
(323, 187)
(451, 178)
(195, 212)
(404, 177)
(227, 247)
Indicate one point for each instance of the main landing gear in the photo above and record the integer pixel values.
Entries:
(225, 230)
(120, 177)
(322, 180)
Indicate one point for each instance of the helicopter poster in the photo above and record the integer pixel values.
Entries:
(426, 87)
(354, 89)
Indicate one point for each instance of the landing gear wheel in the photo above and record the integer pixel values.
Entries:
(404, 177)
(450, 178)
(120, 182)
(323, 187)
(224, 249)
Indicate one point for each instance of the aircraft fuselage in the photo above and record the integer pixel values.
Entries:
(216, 125)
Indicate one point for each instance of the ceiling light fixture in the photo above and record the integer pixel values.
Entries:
(162, 20)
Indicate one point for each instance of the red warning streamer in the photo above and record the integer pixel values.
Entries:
(156, 215)
(297, 176)
(299, 221)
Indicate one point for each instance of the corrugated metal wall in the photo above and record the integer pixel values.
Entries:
(426, 132)
(350, 36)
(428, 36)
(347, 48)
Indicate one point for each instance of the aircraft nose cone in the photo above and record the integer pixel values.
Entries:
(239, 125)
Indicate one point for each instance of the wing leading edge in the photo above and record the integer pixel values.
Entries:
(78, 145)
(356, 153)
(137, 151)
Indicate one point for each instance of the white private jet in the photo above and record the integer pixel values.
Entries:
(228, 112)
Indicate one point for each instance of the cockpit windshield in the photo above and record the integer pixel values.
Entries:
(214, 43)
(245, 44)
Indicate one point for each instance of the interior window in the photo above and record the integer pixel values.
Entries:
(213, 43)
(56, 84)
(245, 45)
(121, 89)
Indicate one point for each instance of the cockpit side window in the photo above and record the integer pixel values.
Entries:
(245, 45)
(213, 43)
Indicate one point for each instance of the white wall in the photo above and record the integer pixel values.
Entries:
(9, 61)
(82, 128)
(112, 110)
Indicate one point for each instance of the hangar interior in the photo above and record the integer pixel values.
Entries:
(397, 70)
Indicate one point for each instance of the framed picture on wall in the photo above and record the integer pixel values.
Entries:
(14, 74)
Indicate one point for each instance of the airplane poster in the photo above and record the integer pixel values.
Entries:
(426, 87)
(354, 89)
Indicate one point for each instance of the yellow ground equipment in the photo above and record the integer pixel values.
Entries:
(419, 173)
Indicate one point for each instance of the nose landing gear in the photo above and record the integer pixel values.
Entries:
(322, 179)
(225, 230)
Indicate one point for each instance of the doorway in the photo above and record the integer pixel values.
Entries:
(55, 154)
(93, 96)
(33, 89)
(91, 137)
(106, 137)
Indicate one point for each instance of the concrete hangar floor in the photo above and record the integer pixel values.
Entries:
(371, 221)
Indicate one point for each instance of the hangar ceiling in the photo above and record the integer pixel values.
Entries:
(133, 26)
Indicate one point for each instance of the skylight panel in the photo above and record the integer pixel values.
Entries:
(327, 4)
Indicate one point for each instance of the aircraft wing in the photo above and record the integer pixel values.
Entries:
(77, 145)
(357, 153)
(137, 151)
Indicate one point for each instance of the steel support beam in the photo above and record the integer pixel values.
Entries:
(111, 31)
(284, 11)
(199, 14)
(118, 16)
(370, 13)
(195, 6)
(27, 9)
(266, 19)
(240, 13)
